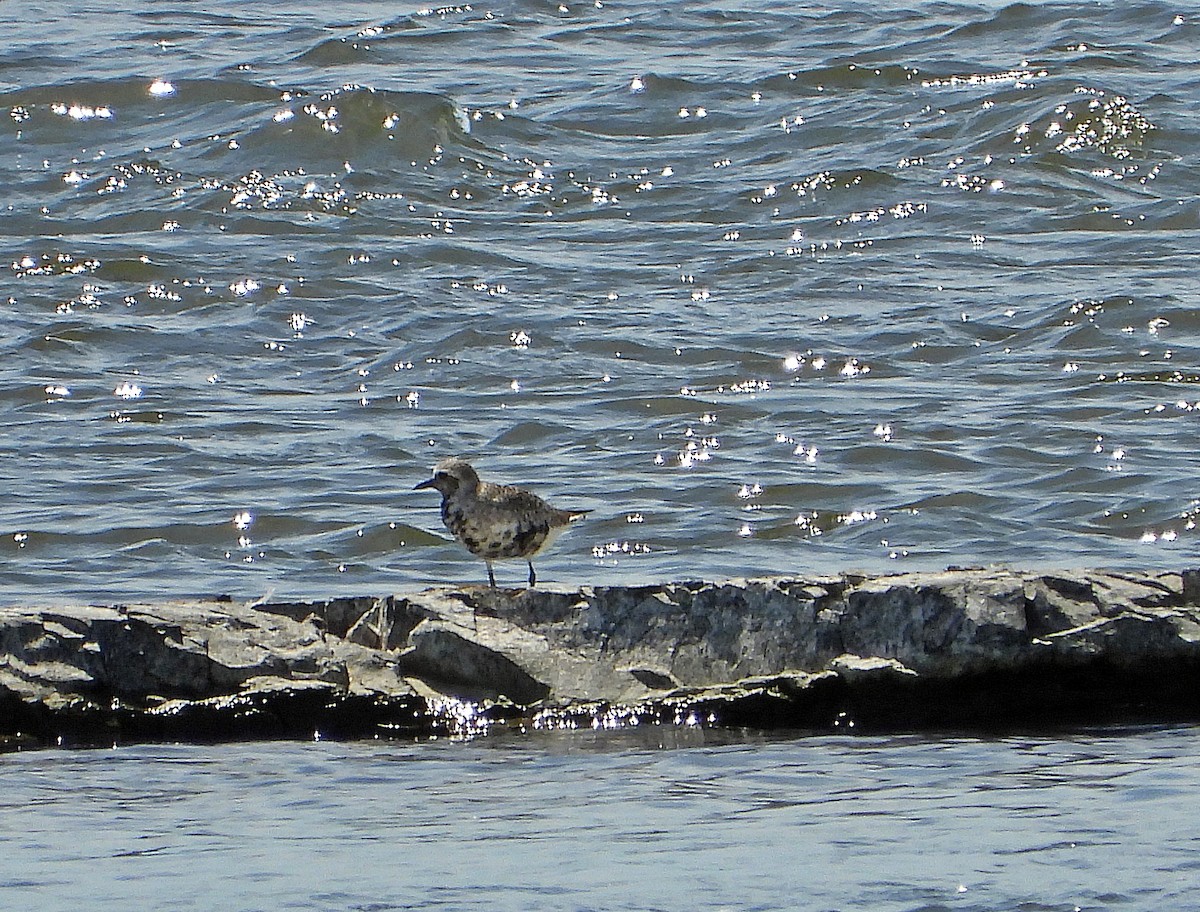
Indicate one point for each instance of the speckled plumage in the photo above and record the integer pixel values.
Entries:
(494, 521)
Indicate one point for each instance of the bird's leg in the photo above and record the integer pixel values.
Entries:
(532, 576)
(491, 576)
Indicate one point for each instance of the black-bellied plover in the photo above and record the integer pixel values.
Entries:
(495, 521)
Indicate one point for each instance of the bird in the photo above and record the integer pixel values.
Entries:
(495, 521)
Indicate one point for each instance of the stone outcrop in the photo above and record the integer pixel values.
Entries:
(979, 649)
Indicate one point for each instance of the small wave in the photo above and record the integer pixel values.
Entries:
(817, 80)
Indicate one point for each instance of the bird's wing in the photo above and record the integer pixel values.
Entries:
(511, 498)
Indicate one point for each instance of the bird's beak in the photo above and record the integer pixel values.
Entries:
(428, 483)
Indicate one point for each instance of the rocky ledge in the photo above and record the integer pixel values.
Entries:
(979, 649)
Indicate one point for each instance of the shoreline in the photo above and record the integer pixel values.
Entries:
(961, 650)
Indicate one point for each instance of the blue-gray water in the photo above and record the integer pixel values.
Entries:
(569, 823)
(770, 287)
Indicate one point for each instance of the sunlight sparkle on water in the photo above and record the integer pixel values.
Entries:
(809, 453)
(853, 368)
(82, 112)
(614, 548)
(697, 452)
(857, 516)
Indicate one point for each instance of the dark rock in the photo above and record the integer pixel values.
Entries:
(979, 648)
(451, 662)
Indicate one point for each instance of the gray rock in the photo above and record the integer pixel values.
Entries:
(977, 648)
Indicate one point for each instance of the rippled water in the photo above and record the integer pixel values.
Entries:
(1091, 822)
(769, 287)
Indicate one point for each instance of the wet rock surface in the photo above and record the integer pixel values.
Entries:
(978, 649)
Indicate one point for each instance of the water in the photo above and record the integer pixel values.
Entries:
(581, 271)
(773, 288)
(1091, 822)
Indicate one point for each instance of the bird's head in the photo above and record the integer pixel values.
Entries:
(451, 476)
